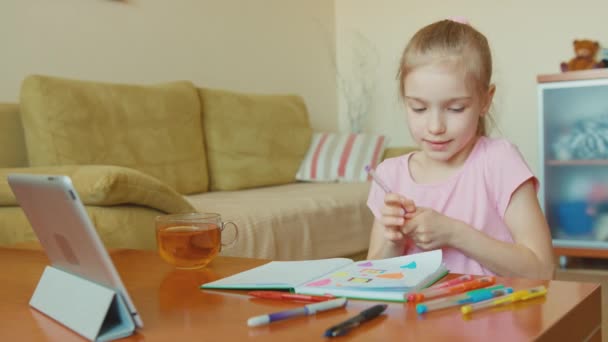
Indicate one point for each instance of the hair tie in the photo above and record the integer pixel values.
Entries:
(459, 19)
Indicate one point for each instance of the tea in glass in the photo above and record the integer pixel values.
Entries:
(190, 240)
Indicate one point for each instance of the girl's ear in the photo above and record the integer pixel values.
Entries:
(488, 100)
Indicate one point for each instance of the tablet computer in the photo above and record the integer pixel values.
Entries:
(65, 231)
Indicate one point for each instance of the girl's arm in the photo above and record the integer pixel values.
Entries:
(531, 254)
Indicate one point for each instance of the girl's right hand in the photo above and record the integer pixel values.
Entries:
(393, 215)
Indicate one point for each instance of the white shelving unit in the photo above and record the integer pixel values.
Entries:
(574, 175)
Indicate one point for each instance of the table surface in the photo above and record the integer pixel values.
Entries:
(173, 307)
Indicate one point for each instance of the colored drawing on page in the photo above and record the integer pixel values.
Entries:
(411, 265)
(372, 271)
(359, 280)
(391, 275)
(321, 282)
(340, 274)
(366, 264)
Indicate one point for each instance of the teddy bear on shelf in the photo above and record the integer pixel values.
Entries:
(585, 51)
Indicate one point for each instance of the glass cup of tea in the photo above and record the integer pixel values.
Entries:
(190, 241)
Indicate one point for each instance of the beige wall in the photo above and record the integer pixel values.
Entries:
(527, 38)
(266, 46)
(285, 46)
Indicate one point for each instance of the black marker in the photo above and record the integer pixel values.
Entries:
(363, 316)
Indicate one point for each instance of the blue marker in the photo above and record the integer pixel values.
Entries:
(467, 298)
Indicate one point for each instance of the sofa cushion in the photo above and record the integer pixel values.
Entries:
(125, 226)
(12, 153)
(105, 185)
(253, 140)
(154, 129)
(294, 221)
(341, 156)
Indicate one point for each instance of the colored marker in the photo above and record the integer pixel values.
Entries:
(306, 310)
(289, 296)
(452, 282)
(377, 179)
(451, 290)
(464, 295)
(516, 296)
(471, 297)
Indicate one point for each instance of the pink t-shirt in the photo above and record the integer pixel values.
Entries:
(477, 194)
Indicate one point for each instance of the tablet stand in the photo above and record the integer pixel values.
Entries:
(91, 310)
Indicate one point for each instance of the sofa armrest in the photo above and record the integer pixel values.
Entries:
(105, 185)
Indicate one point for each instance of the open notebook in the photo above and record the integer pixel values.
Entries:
(385, 279)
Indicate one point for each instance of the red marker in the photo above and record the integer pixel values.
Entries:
(289, 296)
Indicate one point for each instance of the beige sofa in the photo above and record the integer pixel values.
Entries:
(137, 151)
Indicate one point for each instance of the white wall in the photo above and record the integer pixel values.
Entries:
(527, 37)
(264, 46)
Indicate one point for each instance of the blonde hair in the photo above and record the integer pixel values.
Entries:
(451, 40)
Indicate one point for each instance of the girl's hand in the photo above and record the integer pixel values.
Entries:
(393, 216)
(429, 229)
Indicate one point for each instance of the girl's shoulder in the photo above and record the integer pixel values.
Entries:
(498, 149)
(394, 167)
(502, 157)
(496, 144)
(394, 163)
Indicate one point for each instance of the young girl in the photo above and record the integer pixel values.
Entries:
(472, 196)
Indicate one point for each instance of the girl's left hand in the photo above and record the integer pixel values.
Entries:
(429, 229)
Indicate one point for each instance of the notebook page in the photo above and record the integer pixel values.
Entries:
(279, 274)
(394, 293)
(403, 272)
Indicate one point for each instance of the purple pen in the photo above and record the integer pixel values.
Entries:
(306, 310)
(377, 179)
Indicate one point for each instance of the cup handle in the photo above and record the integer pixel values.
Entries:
(236, 233)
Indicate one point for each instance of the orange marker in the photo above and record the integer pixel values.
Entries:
(451, 290)
(452, 282)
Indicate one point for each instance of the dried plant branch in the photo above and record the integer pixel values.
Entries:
(356, 85)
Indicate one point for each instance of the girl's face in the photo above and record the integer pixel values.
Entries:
(442, 112)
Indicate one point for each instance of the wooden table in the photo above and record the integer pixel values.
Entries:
(174, 309)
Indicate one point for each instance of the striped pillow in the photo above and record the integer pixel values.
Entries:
(341, 157)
